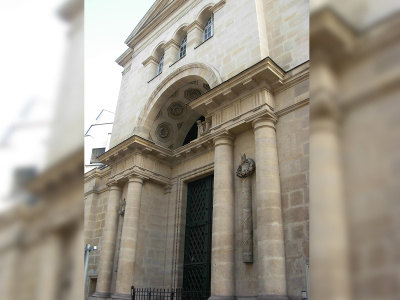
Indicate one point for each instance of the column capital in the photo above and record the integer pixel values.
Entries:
(225, 138)
(264, 121)
(115, 185)
(136, 178)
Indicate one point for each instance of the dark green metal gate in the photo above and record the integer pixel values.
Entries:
(197, 262)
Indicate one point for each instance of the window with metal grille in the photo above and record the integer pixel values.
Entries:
(95, 153)
(160, 64)
(209, 29)
(182, 49)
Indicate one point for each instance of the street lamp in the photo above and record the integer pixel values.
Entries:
(88, 249)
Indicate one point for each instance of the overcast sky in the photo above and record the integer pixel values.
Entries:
(107, 25)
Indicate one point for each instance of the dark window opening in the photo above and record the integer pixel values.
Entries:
(192, 134)
(95, 153)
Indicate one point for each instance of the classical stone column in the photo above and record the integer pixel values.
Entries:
(330, 274)
(129, 235)
(108, 244)
(270, 241)
(223, 235)
(49, 270)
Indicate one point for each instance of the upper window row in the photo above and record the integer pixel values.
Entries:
(207, 33)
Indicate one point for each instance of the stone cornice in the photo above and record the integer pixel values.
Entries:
(125, 57)
(131, 145)
(92, 174)
(218, 6)
(193, 25)
(139, 33)
(171, 43)
(293, 107)
(150, 59)
(294, 76)
(126, 70)
(265, 72)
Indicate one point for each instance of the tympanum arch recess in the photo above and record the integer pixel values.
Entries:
(173, 82)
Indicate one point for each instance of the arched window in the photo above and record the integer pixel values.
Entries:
(160, 64)
(182, 49)
(209, 29)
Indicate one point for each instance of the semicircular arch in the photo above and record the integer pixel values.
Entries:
(170, 84)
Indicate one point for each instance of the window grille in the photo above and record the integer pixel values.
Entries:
(95, 153)
(160, 64)
(182, 49)
(209, 28)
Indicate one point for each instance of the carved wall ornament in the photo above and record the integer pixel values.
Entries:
(245, 170)
(122, 204)
(163, 131)
(176, 110)
(206, 86)
(192, 94)
(246, 167)
(203, 127)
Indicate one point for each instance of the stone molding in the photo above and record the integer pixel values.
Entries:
(121, 296)
(194, 25)
(114, 186)
(126, 70)
(293, 107)
(218, 6)
(226, 138)
(150, 60)
(137, 179)
(125, 57)
(265, 121)
(171, 43)
(142, 31)
(101, 295)
(231, 88)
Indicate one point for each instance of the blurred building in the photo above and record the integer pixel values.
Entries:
(206, 184)
(41, 250)
(354, 150)
(24, 145)
(97, 139)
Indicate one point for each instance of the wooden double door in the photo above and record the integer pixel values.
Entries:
(197, 261)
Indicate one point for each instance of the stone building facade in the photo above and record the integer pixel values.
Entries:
(206, 184)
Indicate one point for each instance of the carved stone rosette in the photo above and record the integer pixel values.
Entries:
(244, 171)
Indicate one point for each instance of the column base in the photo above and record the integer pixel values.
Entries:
(101, 295)
(222, 298)
(273, 297)
(121, 296)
